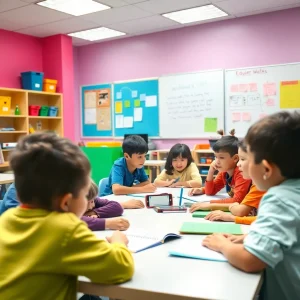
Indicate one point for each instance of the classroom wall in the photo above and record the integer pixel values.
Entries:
(18, 53)
(271, 38)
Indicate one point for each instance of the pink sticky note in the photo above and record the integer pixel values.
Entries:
(234, 88)
(270, 102)
(236, 116)
(253, 87)
(243, 88)
(246, 116)
(269, 89)
(262, 115)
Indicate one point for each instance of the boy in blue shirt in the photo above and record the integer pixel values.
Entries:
(9, 200)
(130, 169)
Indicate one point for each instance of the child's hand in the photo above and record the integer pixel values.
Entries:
(149, 188)
(215, 241)
(93, 216)
(237, 239)
(118, 237)
(169, 183)
(195, 191)
(177, 184)
(219, 215)
(213, 167)
(200, 206)
(118, 223)
(132, 203)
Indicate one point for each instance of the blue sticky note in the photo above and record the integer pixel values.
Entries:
(143, 97)
(119, 95)
(134, 94)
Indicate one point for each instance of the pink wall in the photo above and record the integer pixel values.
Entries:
(271, 38)
(18, 53)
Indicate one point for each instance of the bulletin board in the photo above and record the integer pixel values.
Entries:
(96, 111)
(252, 93)
(136, 107)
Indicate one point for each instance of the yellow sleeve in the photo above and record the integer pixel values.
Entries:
(195, 175)
(84, 254)
(162, 176)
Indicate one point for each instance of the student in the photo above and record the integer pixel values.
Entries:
(180, 166)
(130, 169)
(44, 246)
(240, 212)
(229, 176)
(9, 199)
(273, 243)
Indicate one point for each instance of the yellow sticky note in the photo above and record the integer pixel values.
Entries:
(290, 94)
(127, 103)
(118, 107)
(137, 103)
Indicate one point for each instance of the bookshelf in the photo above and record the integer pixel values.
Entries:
(200, 158)
(21, 123)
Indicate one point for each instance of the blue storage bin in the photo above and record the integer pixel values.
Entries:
(203, 171)
(32, 80)
(52, 111)
(202, 160)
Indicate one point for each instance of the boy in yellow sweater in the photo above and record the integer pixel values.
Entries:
(44, 245)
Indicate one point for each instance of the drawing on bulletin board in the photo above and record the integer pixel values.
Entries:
(136, 107)
(96, 111)
(253, 93)
(191, 104)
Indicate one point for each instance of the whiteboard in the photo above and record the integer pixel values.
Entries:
(252, 93)
(191, 105)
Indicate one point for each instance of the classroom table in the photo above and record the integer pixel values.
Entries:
(161, 277)
(157, 164)
(6, 178)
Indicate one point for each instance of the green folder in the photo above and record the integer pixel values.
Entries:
(203, 213)
(209, 228)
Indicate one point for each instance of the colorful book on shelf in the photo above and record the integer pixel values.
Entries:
(204, 213)
(142, 240)
(210, 227)
(194, 249)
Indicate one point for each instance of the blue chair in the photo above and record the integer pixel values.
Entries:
(102, 185)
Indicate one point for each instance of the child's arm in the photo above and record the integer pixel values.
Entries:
(96, 224)
(102, 262)
(209, 206)
(124, 190)
(245, 220)
(162, 180)
(240, 210)
(107, 209)
(212, 187)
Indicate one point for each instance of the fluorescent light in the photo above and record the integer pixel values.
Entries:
(196, 14)
(95, 34)
(74, 7)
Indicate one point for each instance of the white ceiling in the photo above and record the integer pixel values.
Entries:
(134, 17)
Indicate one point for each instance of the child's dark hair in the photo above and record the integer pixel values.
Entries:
(227, 143)
(134, 144)
(178, 150)
(243, 146)
(47, 167)
(93, 191)
(276, 139)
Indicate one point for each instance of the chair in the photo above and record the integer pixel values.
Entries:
(102, 185)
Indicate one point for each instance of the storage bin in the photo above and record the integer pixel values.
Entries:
(202, 160)
(209, 160)
(32, 80)
(44, 111)
(203, 171)
(49, 85)
(5, 103)
(52, 111)
(34, 110)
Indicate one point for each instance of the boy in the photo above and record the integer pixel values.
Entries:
(9, 199)
(129, 169)
(43, 243)
(226, 158)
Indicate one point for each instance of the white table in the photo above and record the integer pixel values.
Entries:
(160, 277)
(6, 178)
(154, 164)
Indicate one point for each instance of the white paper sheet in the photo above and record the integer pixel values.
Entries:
(138, 114)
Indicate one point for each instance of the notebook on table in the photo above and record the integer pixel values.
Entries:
(210, 227)
(142, 240)
(203, 213)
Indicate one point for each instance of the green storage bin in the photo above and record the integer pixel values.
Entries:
(102, 159)
(44, 111)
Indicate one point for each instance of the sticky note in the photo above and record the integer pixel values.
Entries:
(143, 97)
(290, 94)
(137, 103)
(138, 114)
(134, 94)
(128, 122)
(151, 101)
(118, 107)
(210, 124)
(269, 89)
(119, 95)
(253, 87)
(236, 116)
(127, 103)
(270, 102)
(262, 115)
(246, 116)
(234, 88)
(243, 87)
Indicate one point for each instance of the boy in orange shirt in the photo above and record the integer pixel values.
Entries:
(229, 176)
(240, 212)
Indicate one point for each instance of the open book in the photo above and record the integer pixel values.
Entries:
(210, 227)
(141, 240)
(194, 249)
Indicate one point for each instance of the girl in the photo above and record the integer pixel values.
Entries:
(249, 205)
(273, 242)
(103, 214)
(180, 170)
